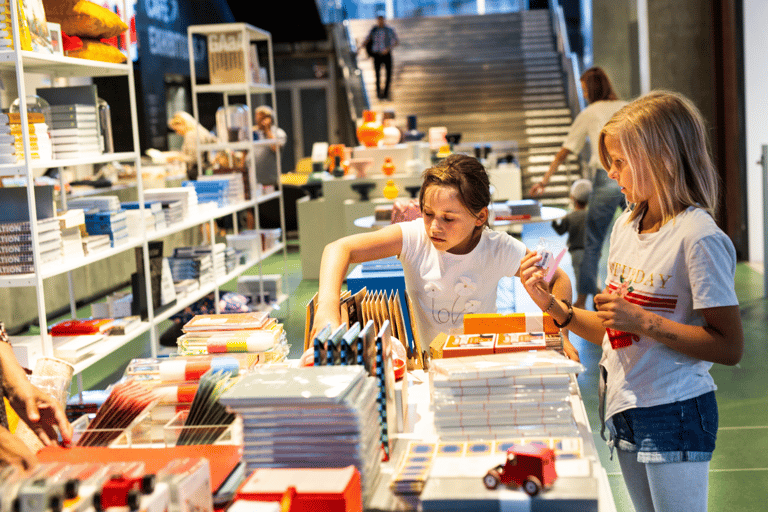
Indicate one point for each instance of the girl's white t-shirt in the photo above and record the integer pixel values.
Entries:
(443, 286)
(686, 266)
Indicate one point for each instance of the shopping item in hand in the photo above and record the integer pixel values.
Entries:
(621, 339)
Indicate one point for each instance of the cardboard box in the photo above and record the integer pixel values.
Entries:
(469, 345)
(513, 322)
(519, 342)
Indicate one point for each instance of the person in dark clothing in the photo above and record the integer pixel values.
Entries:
(575, 223)
(379, 44)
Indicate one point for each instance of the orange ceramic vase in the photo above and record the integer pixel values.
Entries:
(388, 168)
(370, 132)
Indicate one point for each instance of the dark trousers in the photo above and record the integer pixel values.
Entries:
(386, 61)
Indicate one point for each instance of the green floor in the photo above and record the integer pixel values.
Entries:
(739, 469)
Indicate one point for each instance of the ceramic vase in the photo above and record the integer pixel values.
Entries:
(388, 168)
(370, 132)
(390, 190)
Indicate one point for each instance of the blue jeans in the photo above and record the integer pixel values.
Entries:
(605, 197)
(682, 431)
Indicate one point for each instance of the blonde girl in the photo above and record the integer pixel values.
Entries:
(452, 261)
(669, 309)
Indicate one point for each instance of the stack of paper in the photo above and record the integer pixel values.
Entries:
(315, 417)
(213, 190)
(95, 203)
(503, 395)
(74, 131)
(96, 243)
(155, 208)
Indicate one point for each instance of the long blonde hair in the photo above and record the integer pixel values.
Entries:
(663, 136)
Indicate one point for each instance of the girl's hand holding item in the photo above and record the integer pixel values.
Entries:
(532, 278)
(39, 410)
(617, 313)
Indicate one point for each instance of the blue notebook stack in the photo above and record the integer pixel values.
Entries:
(113, 223)
(211, 191)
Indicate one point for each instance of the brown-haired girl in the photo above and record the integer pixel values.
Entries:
(451, 260)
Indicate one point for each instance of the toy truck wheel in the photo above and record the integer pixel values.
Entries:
(532, 486)
(148, 484)
(97, 502)
(56, 504)
(71, 488)
(491, 479)
(133, 500)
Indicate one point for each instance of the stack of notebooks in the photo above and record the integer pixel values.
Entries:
(314, 417)
(211, 191)
(254, 333)
(74, 131)
(187, 196)
(113, 223)
(515, 394)
(96, 243)
(16, 245)
(11, 143)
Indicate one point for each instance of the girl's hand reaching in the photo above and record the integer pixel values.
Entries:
(532, 278)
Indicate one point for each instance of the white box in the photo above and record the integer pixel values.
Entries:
(27, 349)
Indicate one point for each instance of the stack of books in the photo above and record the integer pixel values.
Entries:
(236, 186)
(252, 332)
(211, 191)
(114, 224)
(71, 223)
(11, 143)
(218, 257)
(197, 267)
(314, 417)
(93, 204)
(74, 131)
(187, 196)
(154, 207)
(16, 245)
(96, 243)
(515, 394)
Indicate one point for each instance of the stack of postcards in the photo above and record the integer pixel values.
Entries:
(315, 417)
(516, 394)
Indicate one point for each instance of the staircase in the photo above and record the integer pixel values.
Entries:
(493, 78)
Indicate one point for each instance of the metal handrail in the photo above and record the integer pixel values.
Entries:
(346, 57)
(569, 60)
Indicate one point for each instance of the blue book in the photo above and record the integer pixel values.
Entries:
(321, 356)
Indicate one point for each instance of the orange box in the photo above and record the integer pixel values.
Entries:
(462, 345)
(326, 489)
(476, 323)
(519, 342)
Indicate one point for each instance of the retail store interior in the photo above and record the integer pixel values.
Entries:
(495, 80)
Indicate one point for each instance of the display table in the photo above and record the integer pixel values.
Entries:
(568, 493)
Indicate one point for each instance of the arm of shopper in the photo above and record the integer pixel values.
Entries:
(560, 157)
(38, 409)
(584, 323)
(14, 452)
(719, 340)
(335, 262)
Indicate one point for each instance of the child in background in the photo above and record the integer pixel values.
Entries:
(669, 309)
(574, 223)
(451, 259)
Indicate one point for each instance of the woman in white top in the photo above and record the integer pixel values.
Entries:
(605, 196)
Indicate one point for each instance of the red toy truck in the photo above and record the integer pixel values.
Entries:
(530, 466)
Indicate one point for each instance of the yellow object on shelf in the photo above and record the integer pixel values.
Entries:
(390, 190)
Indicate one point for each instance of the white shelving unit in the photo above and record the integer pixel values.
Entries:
(18, 64)
(241, 37)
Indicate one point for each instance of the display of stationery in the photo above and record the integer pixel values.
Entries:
(315, 417)
(227, 322)
(207, 418)
(235, 188)
(183, 369)
(113, 223)
(78, 326)
(126, 401)
(185, 196)
(503, 395)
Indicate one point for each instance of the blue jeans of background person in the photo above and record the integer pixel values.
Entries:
(605, 197)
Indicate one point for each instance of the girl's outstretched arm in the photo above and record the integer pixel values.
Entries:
(584, 323)
(335, 262)
(719, 340)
